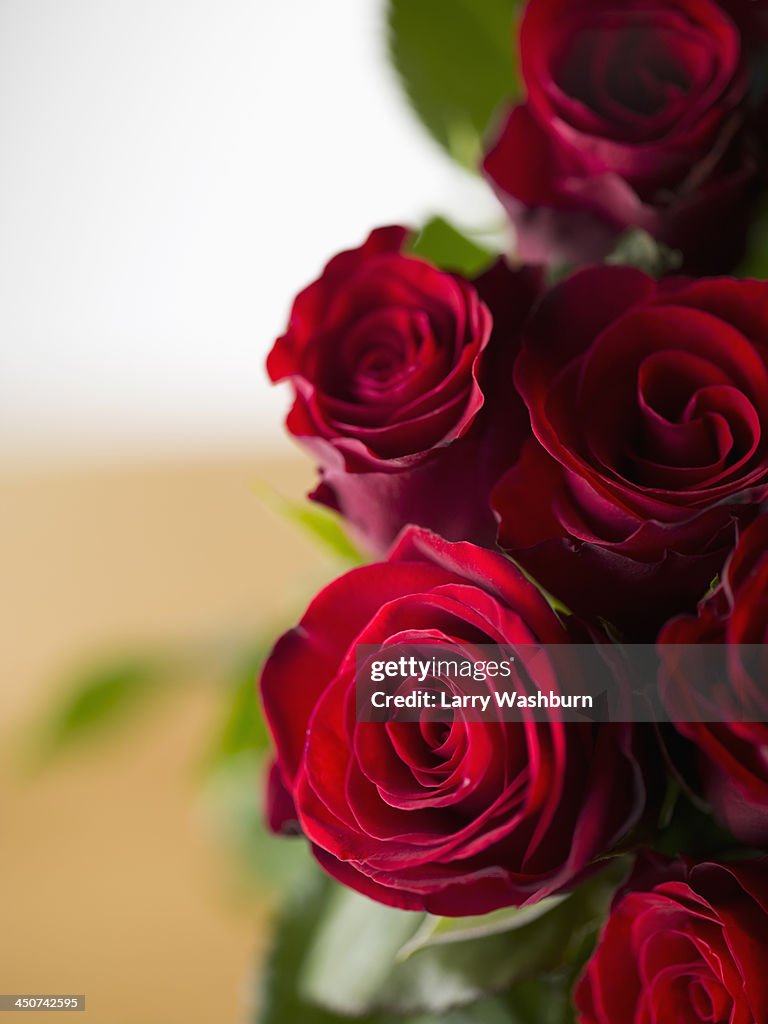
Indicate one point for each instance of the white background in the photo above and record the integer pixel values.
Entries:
(171, 172)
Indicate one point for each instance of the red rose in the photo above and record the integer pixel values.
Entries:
(685, 944)
(733, 757)
(635, 116)
(384, 354)
(457, 818)
(650, 405)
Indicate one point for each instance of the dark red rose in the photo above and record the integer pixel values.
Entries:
(457, 818)
(384, 354)
(650, 405)
(684, 944)
(636, 116)
(732, 758)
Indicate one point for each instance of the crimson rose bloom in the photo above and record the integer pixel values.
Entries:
(650, 405)
(733, 757)
(383, 352)
(685, 944)
(457, 818)
(636, 116)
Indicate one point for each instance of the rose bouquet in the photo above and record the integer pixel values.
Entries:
(557, 445)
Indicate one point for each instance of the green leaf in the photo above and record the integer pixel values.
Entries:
(669, 803)
(243, 729)
(636, 248)
(457, 61)
(235, 767)
(353, 951)
(755, 263)
(352, 967)
(692, 828)
(102, 696)
(303, 929)
(444, 245)
(487, 1011)
(544, 1000)
(320, 523)
(435, 931)
(279, 1000)
(99, 700)
(235, 808)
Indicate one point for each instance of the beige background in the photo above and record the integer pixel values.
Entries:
(111, 882)
(158, 217)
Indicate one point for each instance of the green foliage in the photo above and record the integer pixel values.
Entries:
(103, 696)
(691, 828)
(444, 245)
(636, 248)
(243, 729)
(545, 1000)
(279, 999)
(98, 699)
(436, 931)
(234, 802)
(334, 950)
(457, 60)
(320, 523)
(350, 959)
(755, 263)
(366, 959)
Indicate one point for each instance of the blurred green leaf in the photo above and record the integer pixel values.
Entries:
(436, 931)
(243, 729)
(351, 968)
(235, 767)
(235, 804)
(444, 245)
(279, 1000)
(108, 692)
(543, 1000)
(303, 929)
(692, 828)
(98, 700)
(488, 1011)
(350, 960)
(672, 794)
(457, 60)
(636, 248)
(320, 523)
(755, 262)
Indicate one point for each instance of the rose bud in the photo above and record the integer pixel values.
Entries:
(637, 116)
(388, 357)
(455, 817)
(732, 757)
(684, 943)
(649, 403)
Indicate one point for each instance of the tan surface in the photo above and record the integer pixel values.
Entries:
(109, 884)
